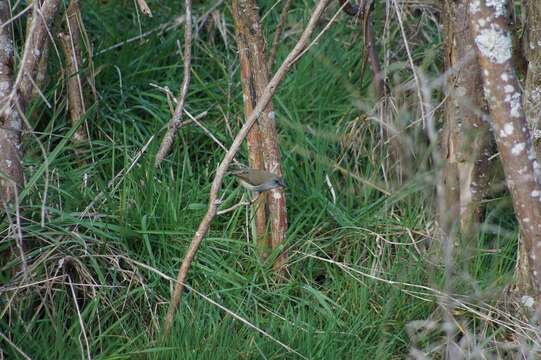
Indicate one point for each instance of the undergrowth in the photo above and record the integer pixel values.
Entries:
(108, 230)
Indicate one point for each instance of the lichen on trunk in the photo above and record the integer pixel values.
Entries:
(467, 142)
(493, 43)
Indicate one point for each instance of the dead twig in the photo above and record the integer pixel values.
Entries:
(81, 322)
(176, 121)
(41, 73)
(373, 59)
(145, 9)
(238, 205)
(176, 22)
(14, 346)
(278, 34)
(212, 302)
(71, 45)
(422, 107)
(222, 169)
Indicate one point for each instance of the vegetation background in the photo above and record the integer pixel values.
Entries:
(112, 227)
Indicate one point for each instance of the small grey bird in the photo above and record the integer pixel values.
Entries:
(258, 180)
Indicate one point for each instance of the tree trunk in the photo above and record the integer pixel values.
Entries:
(263, 139)
(532, 108)
(467, 141)
(41, 75)
(15, 96)
(532, 101)
(10, 132)
(254, 140)
(449, 199)
(493, 43)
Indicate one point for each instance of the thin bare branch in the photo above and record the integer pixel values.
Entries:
(412, 64)
(145, 9)
(210, 301)
(71, 45)
(12, 344)
(222, 169)
(278, 34)
(176, 121)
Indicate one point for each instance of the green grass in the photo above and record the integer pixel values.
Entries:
(323, 310)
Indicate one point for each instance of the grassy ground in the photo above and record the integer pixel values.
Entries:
(110, 222)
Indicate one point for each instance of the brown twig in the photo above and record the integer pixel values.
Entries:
(364, 10)
(15, 347)
(373, 59)
(238, 205)
(416, 77)
(71, 45)
(176, 121)
(145, 9)
(397, 157)
(278, 34)
(352, 10)
(162, 28)
(222, 169)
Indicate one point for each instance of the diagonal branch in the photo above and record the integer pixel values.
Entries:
(222, 169)
(176, 121)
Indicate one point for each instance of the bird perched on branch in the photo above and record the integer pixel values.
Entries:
(258, 180)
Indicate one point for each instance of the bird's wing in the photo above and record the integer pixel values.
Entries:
(253, 176)
(242, 174)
